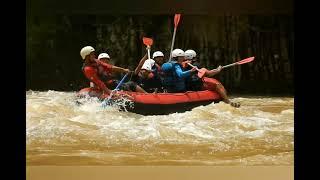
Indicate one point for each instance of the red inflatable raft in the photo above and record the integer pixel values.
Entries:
(166, 103)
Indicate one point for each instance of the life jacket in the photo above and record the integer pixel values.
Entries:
(193, 83)
(158, 72)
(102, 74)
(171, 81)
(152, 82)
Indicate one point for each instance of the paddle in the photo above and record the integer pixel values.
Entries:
(147, 42)
(176, 22)
(106, 101)
(202, 71)
(244, 61)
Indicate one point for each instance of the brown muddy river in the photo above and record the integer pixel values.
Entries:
(62, 132)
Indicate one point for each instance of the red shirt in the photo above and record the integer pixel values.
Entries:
(94, 71)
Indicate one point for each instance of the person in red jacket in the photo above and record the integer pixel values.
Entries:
(99, 72)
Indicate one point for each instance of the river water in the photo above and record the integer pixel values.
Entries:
(62, 132)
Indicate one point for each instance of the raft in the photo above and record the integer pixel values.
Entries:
(165, 103)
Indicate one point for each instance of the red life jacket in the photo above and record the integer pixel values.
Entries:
(103, 72)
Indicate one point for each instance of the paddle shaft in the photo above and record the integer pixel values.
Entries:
(229, 65)
(117, 87)
(148, 53)
(193, 66)
(244, 61)
(172, 44)
(247, 60)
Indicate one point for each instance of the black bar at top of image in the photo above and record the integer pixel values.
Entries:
(191, 7)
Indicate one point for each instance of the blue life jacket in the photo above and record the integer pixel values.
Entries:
(193, 83)
(171, 80)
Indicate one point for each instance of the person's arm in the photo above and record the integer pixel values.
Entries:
(119, 69)
(110, 68)
(138, 68)
(182, 74)
(213, 72)
(92, 76)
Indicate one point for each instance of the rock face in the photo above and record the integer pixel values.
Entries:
(54, 43)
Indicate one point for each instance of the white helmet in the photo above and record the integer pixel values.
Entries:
(147, 65)
(86, 51)
(190, 54)
(103, 55)
(157, 54)
(177, 53)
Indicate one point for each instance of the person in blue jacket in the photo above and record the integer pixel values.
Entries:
(174, 77)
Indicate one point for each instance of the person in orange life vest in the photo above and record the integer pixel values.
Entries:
(90, 68)
(104, 57)
(194, 81)
(95, 69)
(112, 83)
